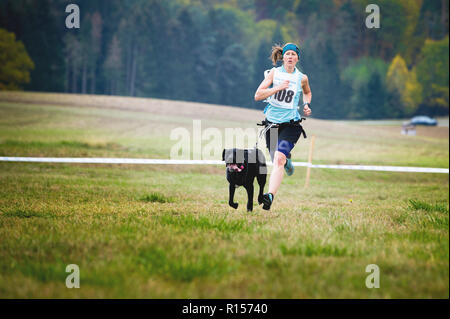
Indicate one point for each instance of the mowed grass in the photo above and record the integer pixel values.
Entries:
(162, 231)
(39, 124)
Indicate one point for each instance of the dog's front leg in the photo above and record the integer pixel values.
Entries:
(231, 202)
(262, 182)
(249, 189)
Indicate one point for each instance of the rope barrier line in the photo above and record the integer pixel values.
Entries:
(141, 161)
(405, 169)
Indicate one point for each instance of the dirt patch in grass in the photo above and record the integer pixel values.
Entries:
(19, 213)
(157, 198)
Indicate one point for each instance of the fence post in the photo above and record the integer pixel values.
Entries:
(308, 171)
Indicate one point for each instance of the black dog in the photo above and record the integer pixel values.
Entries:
(242, 168)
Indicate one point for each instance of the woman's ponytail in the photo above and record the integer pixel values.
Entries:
(277, 54)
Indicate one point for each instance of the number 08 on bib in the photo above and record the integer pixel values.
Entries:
(284, 98)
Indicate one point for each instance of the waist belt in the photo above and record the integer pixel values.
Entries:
(266, 123)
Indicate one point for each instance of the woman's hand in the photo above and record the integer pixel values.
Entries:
(307, 95)
(306, 110)
(283, 85)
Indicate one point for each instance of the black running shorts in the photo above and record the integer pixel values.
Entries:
(284, 138)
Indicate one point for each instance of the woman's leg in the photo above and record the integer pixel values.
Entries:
(285, 143)
(277, 172)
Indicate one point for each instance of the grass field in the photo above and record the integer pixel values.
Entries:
(163, 231)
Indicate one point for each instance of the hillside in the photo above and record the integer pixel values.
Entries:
(135, 124)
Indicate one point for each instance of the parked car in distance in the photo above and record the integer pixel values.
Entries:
(423, 120)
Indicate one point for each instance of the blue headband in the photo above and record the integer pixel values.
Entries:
(292, 47)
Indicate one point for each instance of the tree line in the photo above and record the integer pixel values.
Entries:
(216, 51)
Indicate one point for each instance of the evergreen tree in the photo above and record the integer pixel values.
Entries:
(182, 40)
(261, 63)
(321, 66)
(375, 99)
(113, 66)
(232, 75)
(432, 73)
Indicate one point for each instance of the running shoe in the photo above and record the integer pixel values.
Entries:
(267, 200)
(288, 167)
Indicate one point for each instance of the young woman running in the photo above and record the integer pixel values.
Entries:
(283, 87)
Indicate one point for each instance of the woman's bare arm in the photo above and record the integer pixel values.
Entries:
(263, 92)
(307, 95)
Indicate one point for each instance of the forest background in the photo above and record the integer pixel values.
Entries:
(216, 51)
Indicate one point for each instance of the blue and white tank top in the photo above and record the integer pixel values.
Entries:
(282, 105)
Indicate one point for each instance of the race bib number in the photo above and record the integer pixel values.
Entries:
(284, 98)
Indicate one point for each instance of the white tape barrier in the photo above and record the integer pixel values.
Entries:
(105, 160)
(386, 168)
(101, 160)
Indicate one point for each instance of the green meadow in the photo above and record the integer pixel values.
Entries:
(166, 231)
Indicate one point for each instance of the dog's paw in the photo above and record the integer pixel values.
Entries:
(249, 210)
(234, 205)
(260, 200)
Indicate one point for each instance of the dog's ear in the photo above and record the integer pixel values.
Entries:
(223, 155)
